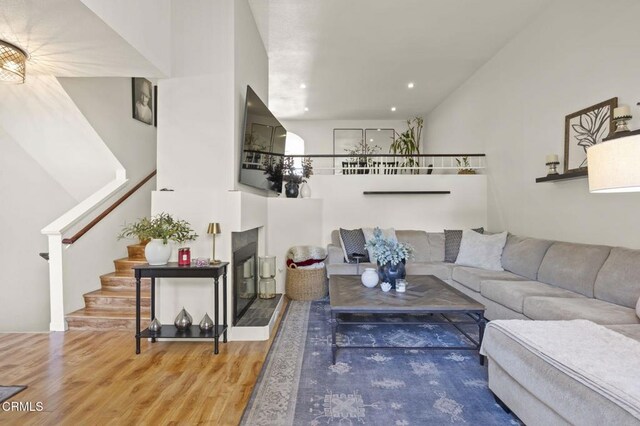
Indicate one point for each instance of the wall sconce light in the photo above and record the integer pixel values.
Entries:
(213, 229)
(12, 63)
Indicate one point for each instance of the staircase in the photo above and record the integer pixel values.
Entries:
(113, 306)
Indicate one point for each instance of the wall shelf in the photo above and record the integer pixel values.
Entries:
(404, 192)
(619, 135)
(564, 176)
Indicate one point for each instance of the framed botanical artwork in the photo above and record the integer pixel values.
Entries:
(142, 100)
(586, 128)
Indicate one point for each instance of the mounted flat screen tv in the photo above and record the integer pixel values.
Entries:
(263, 143)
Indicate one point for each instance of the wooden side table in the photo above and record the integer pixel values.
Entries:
(172, 270)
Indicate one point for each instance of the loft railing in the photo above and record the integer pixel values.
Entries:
(387, 164)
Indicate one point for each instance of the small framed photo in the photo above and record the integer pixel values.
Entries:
(142, 100)
(586, 128)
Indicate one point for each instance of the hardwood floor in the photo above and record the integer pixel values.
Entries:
(85, 377)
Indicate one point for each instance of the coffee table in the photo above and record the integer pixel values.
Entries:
(426, 294)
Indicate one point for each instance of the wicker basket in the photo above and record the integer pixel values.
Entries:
(306, 284)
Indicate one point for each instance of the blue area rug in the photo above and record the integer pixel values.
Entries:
(299, 385)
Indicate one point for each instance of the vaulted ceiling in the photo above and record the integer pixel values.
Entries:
(354, 59)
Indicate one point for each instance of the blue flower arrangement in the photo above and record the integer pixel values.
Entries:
(387, 250)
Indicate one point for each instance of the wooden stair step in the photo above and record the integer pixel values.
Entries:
(124, 266)
(115, 282)
(126, 300)
(136, 252)
(104, 319)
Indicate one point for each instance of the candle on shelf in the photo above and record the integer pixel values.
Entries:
(266, 270)
(552, 158)
(622, 111)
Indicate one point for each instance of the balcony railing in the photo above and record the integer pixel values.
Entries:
(387, 164)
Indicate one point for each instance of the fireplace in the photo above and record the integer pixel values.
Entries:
(245, 279)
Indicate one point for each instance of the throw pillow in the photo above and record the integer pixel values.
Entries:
(352, 242)
(389, 234)
(452, 240)
(482, 251)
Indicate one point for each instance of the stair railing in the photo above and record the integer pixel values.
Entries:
(55, 230)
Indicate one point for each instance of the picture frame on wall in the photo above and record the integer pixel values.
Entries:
(586, 128)
(142, 100)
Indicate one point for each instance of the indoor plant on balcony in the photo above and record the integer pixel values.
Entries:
(295, 176)
(407, 144)
(159, 229)
(391, 256)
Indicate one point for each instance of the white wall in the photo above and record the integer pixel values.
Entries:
(106, 105)
(201, 114)
(43, 119)
(575, 54)
(30, 198)
(145, 24)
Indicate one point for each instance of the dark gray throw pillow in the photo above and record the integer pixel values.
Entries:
(452, 239)
(353, 242)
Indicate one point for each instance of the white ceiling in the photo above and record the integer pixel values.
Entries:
(66, 39)
(356, 57)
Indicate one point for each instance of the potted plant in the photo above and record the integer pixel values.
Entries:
(358, 156)
(464, 167)
(295, 176)
(274, 171)
(391, 256)
(407, 143)
(159, 230)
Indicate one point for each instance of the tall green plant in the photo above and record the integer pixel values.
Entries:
(407, 143)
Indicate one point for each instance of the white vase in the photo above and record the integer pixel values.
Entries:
(305, 190)
(157, 253)
(369, 277)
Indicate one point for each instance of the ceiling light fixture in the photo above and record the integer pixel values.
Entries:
(393, 108)
(12, 63)
(306, 108)
(303, 86)
(410, 85)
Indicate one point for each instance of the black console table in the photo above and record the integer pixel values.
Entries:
(172, 270)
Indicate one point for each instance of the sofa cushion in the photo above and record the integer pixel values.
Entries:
(441, 270)
(436, 246)
(352, 241)
(512, 293)
(471, 277)
(419, 242)
(523, 255)
(347, 268)
(573, 266)
(452, 239)
(630, 330)
(618, 280)
(564, 308)
(481, 251)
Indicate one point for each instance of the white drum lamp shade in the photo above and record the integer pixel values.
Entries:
(614, 166)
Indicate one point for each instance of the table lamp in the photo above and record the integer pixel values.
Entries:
(213, 229)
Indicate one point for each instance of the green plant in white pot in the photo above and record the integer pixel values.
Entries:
(159, 229)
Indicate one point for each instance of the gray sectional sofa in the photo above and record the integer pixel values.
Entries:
(542, 280)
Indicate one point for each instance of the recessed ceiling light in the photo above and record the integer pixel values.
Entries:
(378, 129)
(306, 108)
(370, 140)
(410, 85)
(393, 108)
(303, 86)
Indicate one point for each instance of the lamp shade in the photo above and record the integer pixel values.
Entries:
(12, 63)
(214, 228)
(614, 166)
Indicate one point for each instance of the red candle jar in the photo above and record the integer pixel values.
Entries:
(184, 256)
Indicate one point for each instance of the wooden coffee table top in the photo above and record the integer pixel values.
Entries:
(425, 293)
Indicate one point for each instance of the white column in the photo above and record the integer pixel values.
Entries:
(56, 284)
